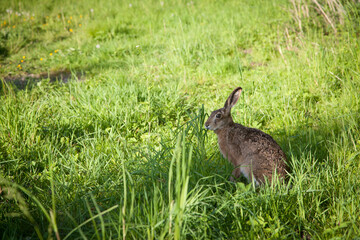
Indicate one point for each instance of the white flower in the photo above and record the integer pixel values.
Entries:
(130, 5)
(97, 45)
(162, 3)
(137, 46)
(92, 10)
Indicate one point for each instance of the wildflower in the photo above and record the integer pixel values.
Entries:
(80, 16)
(137, 46)
(97, 45)
(22, 61)
(4, 23)
(162, 3)
(51, 54)
(41, 59)
(19, 66)
(80, 25)
(58, 16)
(56, 51)
(70, 17)
(14, 26)
(70, 30)
(130, 5)
(69, 21)
(92, 10)
(24, 57)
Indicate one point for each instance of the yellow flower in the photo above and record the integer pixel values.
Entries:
(69, 21)
(70, 17)
(24, 57)
(58, 16)
(19, 66)
(80, 25)
(4, 23)
(70, 30)
(50, 54)
(80, 16)
(41, 59)
(14, 26)
(22, 61)
(56, 51)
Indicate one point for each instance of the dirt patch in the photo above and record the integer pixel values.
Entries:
(23, 80)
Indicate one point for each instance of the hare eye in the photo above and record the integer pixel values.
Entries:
(218, 115)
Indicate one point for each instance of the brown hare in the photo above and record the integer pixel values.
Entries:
(253, 153)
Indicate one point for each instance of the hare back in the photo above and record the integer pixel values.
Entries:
(251, 147)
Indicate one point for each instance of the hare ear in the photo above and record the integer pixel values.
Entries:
(232, 99)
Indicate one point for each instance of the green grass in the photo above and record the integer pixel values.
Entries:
(119, 151)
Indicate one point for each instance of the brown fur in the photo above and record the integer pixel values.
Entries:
(253, 153)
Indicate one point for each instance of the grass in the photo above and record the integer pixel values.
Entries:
(119, 151)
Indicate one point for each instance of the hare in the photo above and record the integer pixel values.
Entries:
(253, 153)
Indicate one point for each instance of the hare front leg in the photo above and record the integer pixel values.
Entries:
(246, 172)
(236, 173)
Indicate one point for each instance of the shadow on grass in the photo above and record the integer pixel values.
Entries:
(29, 80)
(316, 140)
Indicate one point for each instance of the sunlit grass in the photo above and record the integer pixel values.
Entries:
(122, 153)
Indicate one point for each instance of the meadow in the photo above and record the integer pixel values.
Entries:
(103, 104)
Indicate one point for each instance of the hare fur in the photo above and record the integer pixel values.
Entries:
(253, 153)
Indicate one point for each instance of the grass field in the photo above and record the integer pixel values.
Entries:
(115, 148)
